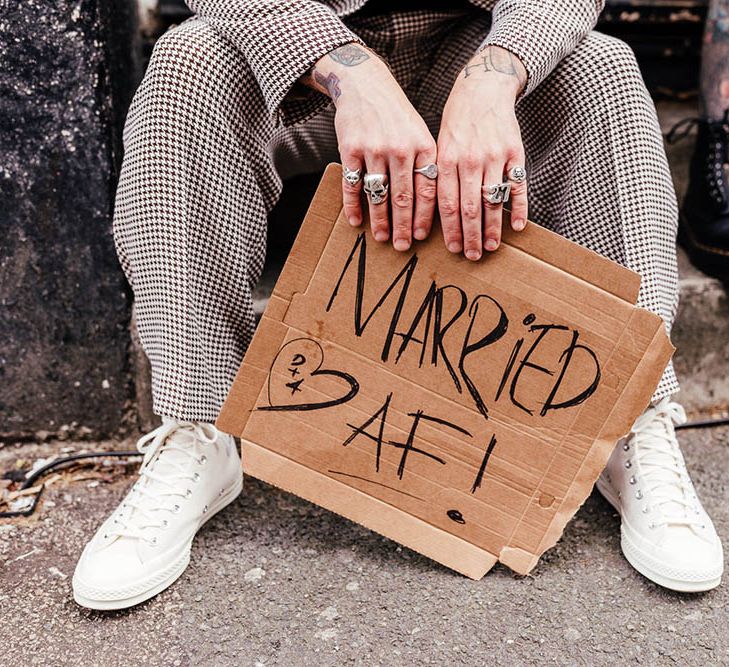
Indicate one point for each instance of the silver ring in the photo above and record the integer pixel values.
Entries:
(429, 171)
(352, 176)
(498, 193)
(376, 187)
(517, 174)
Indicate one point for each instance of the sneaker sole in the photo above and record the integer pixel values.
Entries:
(643, 563)
(171, 572)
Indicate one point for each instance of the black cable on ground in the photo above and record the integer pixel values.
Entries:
(705, 423)
(30, 481)
(37, 474)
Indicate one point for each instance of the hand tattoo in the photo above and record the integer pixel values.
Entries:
(331, 83)
(349, 55)
(495, 59)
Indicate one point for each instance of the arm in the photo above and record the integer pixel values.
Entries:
(378, 131)
(280, 39)
(478, 143)
(479, 140)
(540, 33)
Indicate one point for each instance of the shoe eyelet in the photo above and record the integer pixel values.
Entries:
(202, 460)
(153, 541)
(632, 479)
(222, 491)
(652, 525)
(165, 523)
(188, 493)
(106, 536)
(639, 494)
(628, 464)
(626, 446)
(196, 477)
(176, 509)
(646, 509)
(205, 509)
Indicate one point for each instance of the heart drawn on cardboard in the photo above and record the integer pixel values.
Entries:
(295, 379)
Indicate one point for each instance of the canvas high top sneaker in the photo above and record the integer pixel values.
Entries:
(665, 533)
(190, 471)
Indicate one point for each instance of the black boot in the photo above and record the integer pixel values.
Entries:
(704, 220)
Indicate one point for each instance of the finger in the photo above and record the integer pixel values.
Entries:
(425, 196)
(493, 213)
(379, 218)
(401, 200)
(519, 204)
(449, 206)
(471, 178)
(351, 193)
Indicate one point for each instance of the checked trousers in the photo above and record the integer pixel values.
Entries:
(204, 162)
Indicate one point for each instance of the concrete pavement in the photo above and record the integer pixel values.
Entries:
(275, 580)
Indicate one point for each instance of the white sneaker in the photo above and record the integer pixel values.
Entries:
(665, 532)
(190, 471)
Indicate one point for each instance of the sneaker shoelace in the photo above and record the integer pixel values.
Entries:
(167, 451)
(662, 465)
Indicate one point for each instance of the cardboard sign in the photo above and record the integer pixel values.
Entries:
(463, 409)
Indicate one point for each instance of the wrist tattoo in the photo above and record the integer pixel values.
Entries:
(330, 83)
(349, 55)
(495, 59)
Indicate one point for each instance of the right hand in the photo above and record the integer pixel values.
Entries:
(379, 131)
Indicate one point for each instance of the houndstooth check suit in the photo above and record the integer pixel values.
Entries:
(218, 122)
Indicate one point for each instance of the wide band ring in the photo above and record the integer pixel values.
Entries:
(376, 187)
(497, 193)
(517, 174)
(429, 171)
(352, 176)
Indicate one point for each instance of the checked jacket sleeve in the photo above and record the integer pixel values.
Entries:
(540, 32)
(281, 40)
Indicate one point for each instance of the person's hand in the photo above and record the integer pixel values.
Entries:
(379, 132)
(479, 142)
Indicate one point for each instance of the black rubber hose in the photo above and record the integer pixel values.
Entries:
(37, 474)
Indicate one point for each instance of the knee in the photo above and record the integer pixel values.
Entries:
(610, 54)
(185, 57)
(606, 66)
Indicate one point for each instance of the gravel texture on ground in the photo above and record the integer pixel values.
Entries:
(275, 580)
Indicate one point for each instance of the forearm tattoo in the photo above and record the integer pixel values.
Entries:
(495, 59)
(349, 55)
(715, 61)
(329, 83)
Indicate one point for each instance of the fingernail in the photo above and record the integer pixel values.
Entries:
(401, 244)
(380, 236)
(420, 233)
(519, 224)
(455, 246)
(354, 221)
(491, 244)
(473, 254)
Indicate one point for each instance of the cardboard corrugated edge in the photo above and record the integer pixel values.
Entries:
(370, 512)
(637, 390)
(374, 514)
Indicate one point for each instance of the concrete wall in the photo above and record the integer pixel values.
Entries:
(67, 72)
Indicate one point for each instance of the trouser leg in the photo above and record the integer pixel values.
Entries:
(598, 173)
(197, 181)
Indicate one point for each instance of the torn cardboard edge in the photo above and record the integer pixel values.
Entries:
(375, 514)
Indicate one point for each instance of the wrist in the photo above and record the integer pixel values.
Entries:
(496, 70)
(351, 65)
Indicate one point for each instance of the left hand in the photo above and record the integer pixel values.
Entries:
(478, 143)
